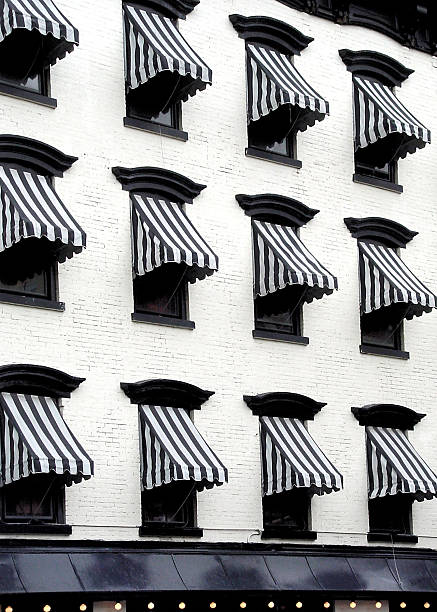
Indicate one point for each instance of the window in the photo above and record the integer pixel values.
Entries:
(162, 292)
(383, 328)
(170, 506)
(37, 499)
(378, 160)
(290, 509)
(391, 514)
(275, 133)
(281, 311)
(152, 101)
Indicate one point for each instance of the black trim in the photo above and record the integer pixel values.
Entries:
(158, 181)
(270, 335)
(387, 415)
(367, 349)
(375, 66)
(381, 230)
(273, 157)
(25, 94)
(276, 208)
(155, 128)
(37, 380)
(362, 179)
(25, 300)
(162, 392)
(140, 317)
(186, 532)
(271, 33)
(288, 533)
(46, 529)
(402, 538)
(283, 404)
(176, 9)
(34, 154)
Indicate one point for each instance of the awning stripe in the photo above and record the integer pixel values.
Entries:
(34, 439)
(281, 258)
(394, 466)
(172, 448)
(273, 81)
(41, 15)
(162, 233)
(386, 280)
(291, 458)
(154, 44)
(30, 207)
(379, 113)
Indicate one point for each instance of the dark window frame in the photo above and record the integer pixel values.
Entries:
(41, 94)
(382, 509)
(280, 503)
(396, 347)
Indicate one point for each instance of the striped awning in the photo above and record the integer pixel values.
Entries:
(43, 16)
(379, 113)
(173, 449)
(291, 458)
(36, 440)
(386, 280)
(162, 233)
(153, 44)
(394, 466)
(272, 80)
(31, 208)
(280, 258)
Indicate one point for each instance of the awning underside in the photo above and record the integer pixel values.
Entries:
(162, 233)
(36, 440)
(386, 280)
(291, 458)
(281, 259)
(174, 449)
(272, 81)
(379, 113)
(154, 45)
(394, 466)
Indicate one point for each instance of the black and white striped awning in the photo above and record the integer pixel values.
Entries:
(43, 16)
(280, 258)
(386, 280)
(273, 80)
(379, 113)
(31, 208)
(36, 440)
(153, 44)
(394, 466)
(172, 448)
(291, 458)
(162, 233)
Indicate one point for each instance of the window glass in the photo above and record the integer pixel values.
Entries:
(152, 101)
(384, 327)
(276, 132)
(288, 509)
(281, 311)
(391, 513)
(171, 504)
(163, 292)
(37, 286)
(35, 498)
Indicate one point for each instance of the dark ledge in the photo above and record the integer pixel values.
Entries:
(158, 181)
(362, 179)
(33, 154)
(270, 32)
(287, 533)
(176, 9)
(261, 334)
(387, 415)
(27, 300)
(375, 66)
(387, 232)
(162, 392)
(401, 538)
(276, 208)
(155, 319)
(283, 404)
(155, 530)
(273, 157)
(37, 380)
(47, 529)
(24, 94)
(367, 349)
(155, 128)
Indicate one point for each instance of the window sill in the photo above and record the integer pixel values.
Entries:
(402, 538)
(279, 337)
(155, 128)
(25, 528)
(191, 532)
(139, 317)
(375, 182)
(273, 157)
(25, 300)
(288, 533)
(24, 94)
(365, 349)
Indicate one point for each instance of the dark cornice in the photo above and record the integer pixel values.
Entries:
(37, 380)
(387, 415)
(388, 233)
(176, 9)
(375, 66)
(171, 393)
(276, 209)
(33, 154)
(158, 181)
(282, 404)
(270, 32)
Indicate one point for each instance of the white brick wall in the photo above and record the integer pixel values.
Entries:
(95, 336)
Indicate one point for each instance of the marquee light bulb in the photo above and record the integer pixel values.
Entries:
(82, 607)
(299, 604)
(403, 604)
(426, 605)
(243, 604)
(326, 604)
(271, 604)
(150, 605)
(182, 606)
(47, 608)
(353, 604)
(118, 606)
(9, 609)
(378, 605)
(213, 605)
